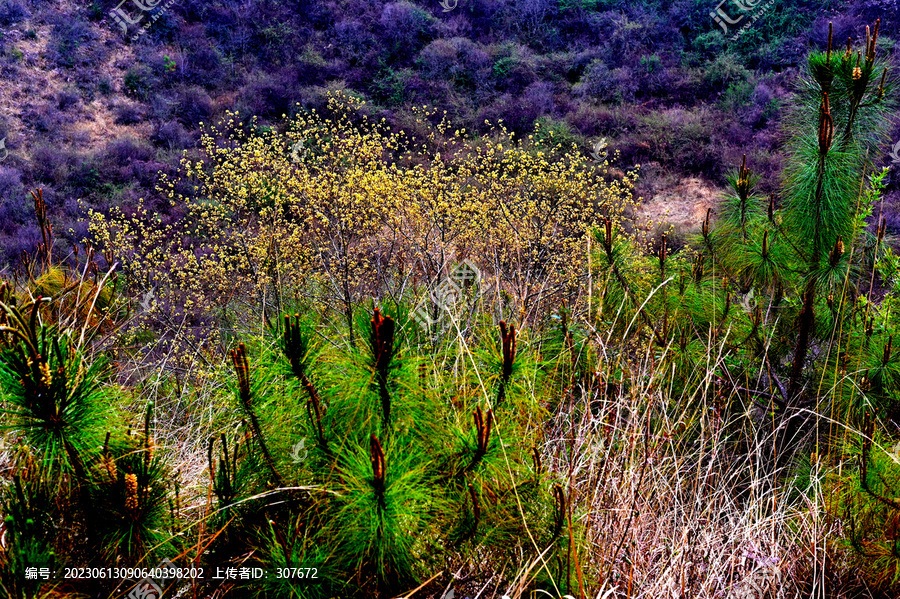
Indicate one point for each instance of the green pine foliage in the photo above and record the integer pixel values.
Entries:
(402, 464)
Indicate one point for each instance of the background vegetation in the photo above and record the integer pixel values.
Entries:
(90, 115)
(262, 364)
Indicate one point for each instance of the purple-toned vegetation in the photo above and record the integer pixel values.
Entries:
(658, 79)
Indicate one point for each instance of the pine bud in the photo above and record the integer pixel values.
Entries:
(826, 126)
(109, 464)
(131, 492)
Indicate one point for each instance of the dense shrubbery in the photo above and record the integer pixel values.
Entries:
(483, 60)
(376, 219)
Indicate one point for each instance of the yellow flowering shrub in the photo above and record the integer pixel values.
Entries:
(337, 209)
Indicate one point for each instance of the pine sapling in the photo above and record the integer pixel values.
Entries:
(242, 369)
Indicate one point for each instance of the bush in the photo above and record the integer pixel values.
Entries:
(593, 120)
(354, 40)
(162, 106)
(50, 164)
(10, 184)
(72, 42)
(43, 118)
(526, 252)
(725, 70)
(139, 81)
(164, 27)
(193, 105)
(514, 68)
(25, 239)
(269, 96)
(123, 151)
(66, 99)
(407, 26)
(603, 84)
(12, 11)
(171, 135)
(686, 140)
(128, 114)
(105, 86)
(203, 66)
(538, 99)
(457, 61)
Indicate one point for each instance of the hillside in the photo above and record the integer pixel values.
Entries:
(93, 115)
(513, 299)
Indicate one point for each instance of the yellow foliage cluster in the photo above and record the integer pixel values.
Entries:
(337, 209)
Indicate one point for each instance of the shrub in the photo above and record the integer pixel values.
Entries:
(529, 14)
(50, 164)
(164, 26)
(25, 239)
(457, 61)
(686, 140)
(128, 114)
(43, 118)
(407, 26)
(203, 66)
(538, 98)
(514, 68)
(590, 119)
(123, 151)
(354, 40)
(553, 135)
(268, 97)
(140, 81)
(537, 246)
(84, 178)
(724, 70)
(82, 487)
(170, 134)
(66, 99)
(12, 11)
(162, 106)
(105, 86)
(607, 85)
(193, 106)
(72, 42)
(10, 184)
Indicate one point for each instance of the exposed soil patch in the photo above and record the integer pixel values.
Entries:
(683, 206)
